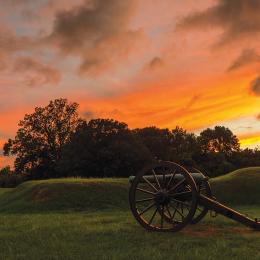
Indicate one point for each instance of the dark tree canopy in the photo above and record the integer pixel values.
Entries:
(41, 136)
(220, 139)
(183, 144)
(103, 148)
(216, 148)
(157, 140)
(165, 144)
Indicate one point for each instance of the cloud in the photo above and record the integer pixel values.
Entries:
(243, 127)
(193, 100)
(90, 24)
(238, 18)
(36, 73)
(2, 63)
(97, 32)
(258, 117)
(255, 86)
(10, 43)
(18, 2)
(246, 57)
(155, 63)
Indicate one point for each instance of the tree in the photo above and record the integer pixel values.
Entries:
(157, 140)
(216, 148)
(220, 140)
(213, 164)
(245, 158)
(183, 146)
(164, 144)
(103, 148)
(6, 171)
(41, 137)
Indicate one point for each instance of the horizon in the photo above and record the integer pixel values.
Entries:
(166, 64)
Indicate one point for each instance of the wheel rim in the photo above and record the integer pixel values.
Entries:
(201, 211)
(160, 201)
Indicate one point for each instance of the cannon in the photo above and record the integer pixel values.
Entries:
(166, 196)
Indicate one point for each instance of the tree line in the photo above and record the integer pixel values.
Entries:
(55, 142)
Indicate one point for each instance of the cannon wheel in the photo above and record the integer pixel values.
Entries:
(153, 201)
(201, 211)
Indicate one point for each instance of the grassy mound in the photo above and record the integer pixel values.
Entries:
(66, 194)
(241, 187)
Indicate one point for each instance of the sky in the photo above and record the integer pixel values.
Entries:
(165, 63)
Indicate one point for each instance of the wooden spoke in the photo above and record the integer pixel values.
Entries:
(162, 216)
(174, 213)
(180, 214)
(163, 180)
(156, 179)
(146, 209)
(168, 211)
(143, 200)
(199, 209)
(178, 211)
(176, 185)
(145, 191)
(181, 202)
(188, 187)
(149, 183)
(172, 176)
(151, 220)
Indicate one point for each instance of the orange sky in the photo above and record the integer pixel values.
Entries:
(163, 63)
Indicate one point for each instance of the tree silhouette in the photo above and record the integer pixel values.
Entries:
(217, 147)
(165, 144)
(41, 136)
(220, 140)
(157, 140)
(183, 146)
(103, 148)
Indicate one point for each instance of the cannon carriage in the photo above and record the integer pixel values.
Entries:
(167, 196)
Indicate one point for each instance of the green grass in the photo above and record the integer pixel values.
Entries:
(90, 219)
(66, 195)
(241, 187)
(115, 235)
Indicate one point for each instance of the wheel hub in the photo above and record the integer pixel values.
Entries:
(162, 197)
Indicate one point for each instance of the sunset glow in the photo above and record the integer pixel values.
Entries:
(162, 63)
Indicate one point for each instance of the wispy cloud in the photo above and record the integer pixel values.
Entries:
(237, 18)
(36, 73)
(255, 86)
(97, 32)
(155, 63)
(247, 56)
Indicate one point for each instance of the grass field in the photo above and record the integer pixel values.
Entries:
(90, 219)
